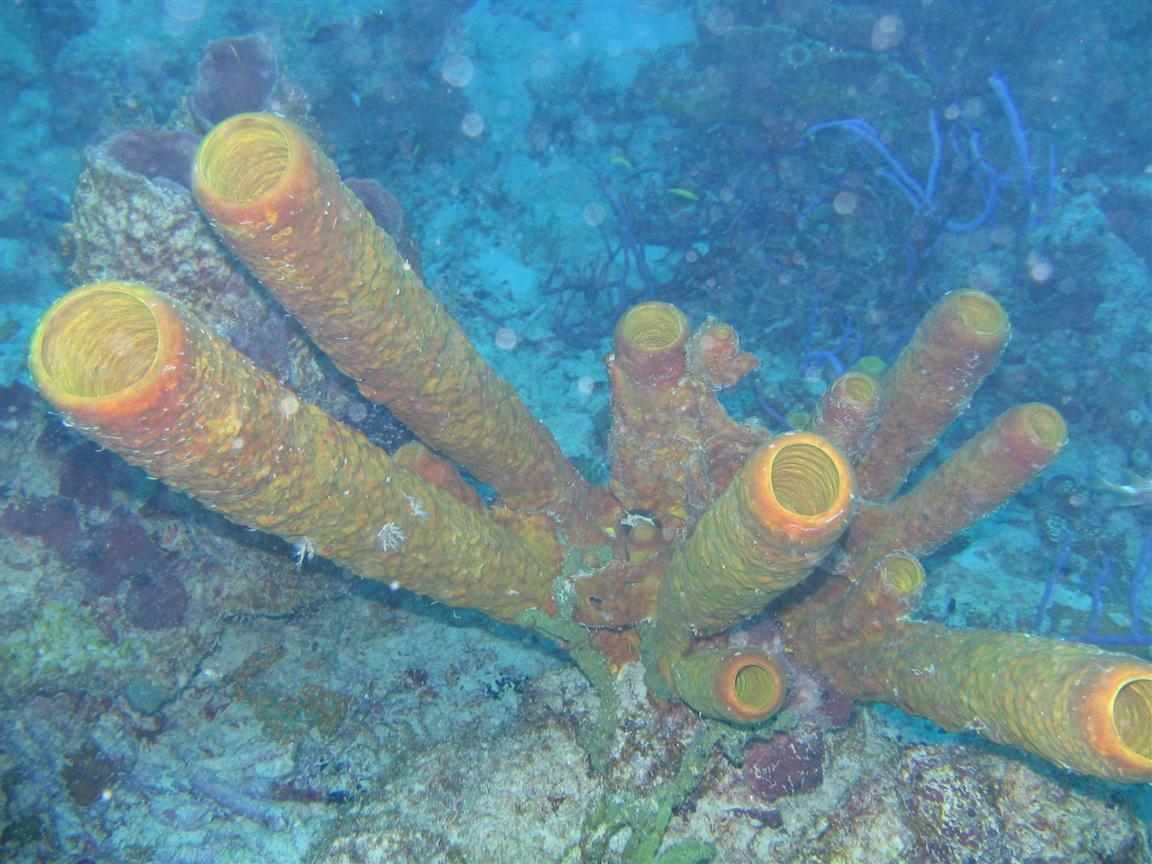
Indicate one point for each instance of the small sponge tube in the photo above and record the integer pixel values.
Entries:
(649, 343)
(848, 412)
(735, 686)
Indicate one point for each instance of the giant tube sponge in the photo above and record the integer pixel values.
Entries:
(135, 372)
(278, 203)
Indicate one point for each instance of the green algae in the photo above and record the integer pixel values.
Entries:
(596, 738)
(61, 644)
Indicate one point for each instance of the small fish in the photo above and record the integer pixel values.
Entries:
(622, 160)
(684, 193)
(1137, 492)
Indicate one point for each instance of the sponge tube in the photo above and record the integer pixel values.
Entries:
(278, 203)
(955, 347)
(674, 448)
(768, 530)
(1072, 704)
(744, 686)
(980, 476)
(135, 372)
(847, 413)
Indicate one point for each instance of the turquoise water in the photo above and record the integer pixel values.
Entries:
(175, 688)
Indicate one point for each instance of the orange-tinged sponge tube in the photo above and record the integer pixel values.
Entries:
(135, 372)
(777, 520)
(955, 347)
(650, 342)
(984, 473)
(278, 203)
(654, 433)
(743, 686)
(673, 446)
(848, 412)
(714, 355)
(1072, 704)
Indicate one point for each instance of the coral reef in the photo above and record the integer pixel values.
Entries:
(895, 804)
(172, 398)
(689, 613)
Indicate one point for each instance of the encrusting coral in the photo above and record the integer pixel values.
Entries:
(706, 522)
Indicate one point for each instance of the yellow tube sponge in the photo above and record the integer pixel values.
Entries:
(1072, 704)
(742, 686)
(674, 448)
(655, 451)
(138, 374)
(278, 203)
(980, 476)
(776, 521)
(955, 347)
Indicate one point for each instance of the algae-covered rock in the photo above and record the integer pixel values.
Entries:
(956, 805)
(57, 649)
